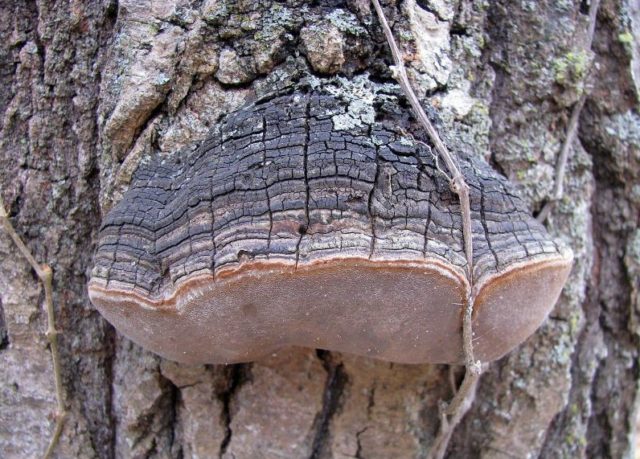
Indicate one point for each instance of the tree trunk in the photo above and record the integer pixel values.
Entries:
(89, 89)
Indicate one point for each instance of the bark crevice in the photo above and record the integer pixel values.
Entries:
(335, 385)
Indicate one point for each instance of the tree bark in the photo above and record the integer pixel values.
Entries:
(90, 89)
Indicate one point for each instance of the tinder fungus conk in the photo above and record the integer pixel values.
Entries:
(310, 219)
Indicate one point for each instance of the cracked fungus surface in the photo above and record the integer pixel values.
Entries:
(284, 228)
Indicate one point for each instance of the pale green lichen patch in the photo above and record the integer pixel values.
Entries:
(571, 69)
(569, 72)
(626, 38)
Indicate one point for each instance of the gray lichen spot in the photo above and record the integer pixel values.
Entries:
(625, 127)
(360, 95)
(346, 22)
(359, 114)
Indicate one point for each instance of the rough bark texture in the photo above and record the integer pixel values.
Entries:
(90, 89)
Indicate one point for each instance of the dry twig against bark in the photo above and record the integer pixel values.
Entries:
(453, 413)
(572, 129)
(45, 274)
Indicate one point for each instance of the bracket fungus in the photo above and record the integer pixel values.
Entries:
(304, 221)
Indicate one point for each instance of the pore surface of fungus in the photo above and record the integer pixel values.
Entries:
(305, 220)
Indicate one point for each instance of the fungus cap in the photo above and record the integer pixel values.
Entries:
(284, 228)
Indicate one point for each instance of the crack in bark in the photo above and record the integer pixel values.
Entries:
(4, 335)
(109, 371)
(237, 376)
(174, 396)
(334, 388)
(302, 229)
(370, 207)
(358, 454)
(483, 220)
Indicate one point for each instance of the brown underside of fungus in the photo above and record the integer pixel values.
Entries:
(305, 221)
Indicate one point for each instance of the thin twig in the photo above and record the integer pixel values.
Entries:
(572, 129)
(558, 188)
(453, 384)
(448, 425)
(45, 274)
(452, 414)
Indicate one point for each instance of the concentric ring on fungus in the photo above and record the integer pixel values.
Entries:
(298, 223)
